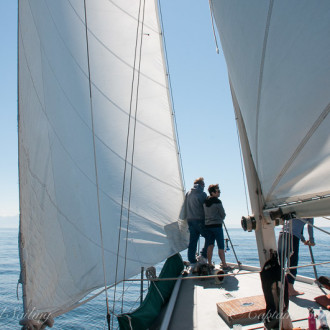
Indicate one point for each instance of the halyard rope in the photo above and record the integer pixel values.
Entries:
(133, 147)
(95, 164)
(126, 155)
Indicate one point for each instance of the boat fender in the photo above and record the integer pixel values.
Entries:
(219, 279)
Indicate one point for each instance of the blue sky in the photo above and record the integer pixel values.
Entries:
(202, 102)
(8, 110)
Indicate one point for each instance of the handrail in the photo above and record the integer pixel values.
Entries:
(192, 277)
(171, 304)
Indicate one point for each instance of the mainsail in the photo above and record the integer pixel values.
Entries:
(277, 53)
(100, 180)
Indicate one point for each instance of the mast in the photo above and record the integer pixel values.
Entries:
(264, 229)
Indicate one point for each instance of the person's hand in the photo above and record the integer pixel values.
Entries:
(309, 243)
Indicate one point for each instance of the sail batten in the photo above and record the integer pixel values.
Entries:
(72, 161)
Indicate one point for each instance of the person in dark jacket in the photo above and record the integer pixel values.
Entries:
(194, 213)
(214, 216)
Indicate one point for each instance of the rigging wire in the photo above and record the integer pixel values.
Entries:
(325, 263)
(318, 228)
(232, 246)
(136, 302)
(212, 20)
(134, 129)
(95, 165)
(242, 167)
(126, 155)
(133, 146)
(287, 252)
(248, 272)
(285, 259)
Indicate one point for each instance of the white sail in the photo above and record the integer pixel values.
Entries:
(277, 53)
(77, 87)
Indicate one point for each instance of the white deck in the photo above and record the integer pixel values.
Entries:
(195, 307)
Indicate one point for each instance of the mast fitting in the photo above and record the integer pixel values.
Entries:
(278, 216)
(248, 223)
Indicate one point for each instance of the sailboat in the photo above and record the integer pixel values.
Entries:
(101, 183)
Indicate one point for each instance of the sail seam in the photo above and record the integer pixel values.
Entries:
(44, 108)
(95, 162)
(104, 192)
(101, 140)
(62, 213)
(131, 16)
(75, 226)
(109, 50)
(96, 87)
(262, 64)
(302, 144)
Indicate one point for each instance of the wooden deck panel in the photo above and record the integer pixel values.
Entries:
(240, 311)
(196, 306)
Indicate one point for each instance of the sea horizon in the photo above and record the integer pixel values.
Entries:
(92, 314)
(12, 221)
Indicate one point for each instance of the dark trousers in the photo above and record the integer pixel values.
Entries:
(295, 256)
(196, 228)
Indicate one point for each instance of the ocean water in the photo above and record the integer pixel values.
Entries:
(92, 314)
